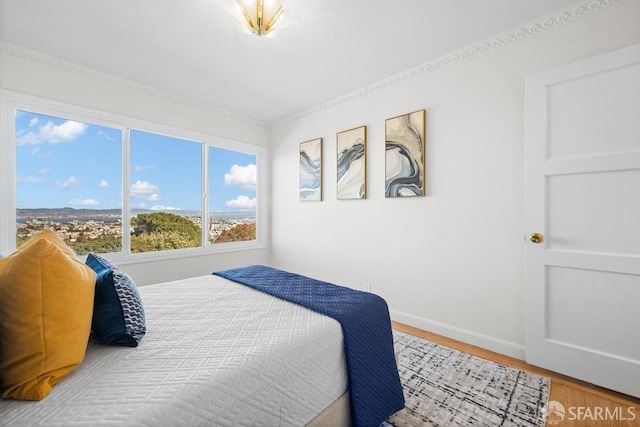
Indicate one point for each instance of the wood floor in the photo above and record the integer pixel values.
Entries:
(585, 405)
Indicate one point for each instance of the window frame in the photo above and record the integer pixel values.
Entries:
(10, 102)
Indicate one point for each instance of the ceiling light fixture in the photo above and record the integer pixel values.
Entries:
(260, 17)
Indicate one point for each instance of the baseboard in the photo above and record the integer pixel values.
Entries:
(459, 334)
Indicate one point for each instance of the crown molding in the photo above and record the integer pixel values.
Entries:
(86, 72)
(570, 14)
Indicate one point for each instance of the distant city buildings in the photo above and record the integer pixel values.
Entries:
(75, 230)
(71, 231)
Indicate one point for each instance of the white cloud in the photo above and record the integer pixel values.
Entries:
(104, 183)
(106, 136)
(154, 197)
(143, 168)
(72, 180)
(33, 122)
(163, 208)
(241, 202)
(33, 179)
(67, 131)
(84, 202)
(143, 189)
(30, 179)
(243, 176)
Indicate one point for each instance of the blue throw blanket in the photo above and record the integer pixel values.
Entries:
(374, 384)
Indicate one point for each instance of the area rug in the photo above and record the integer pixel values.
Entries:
(445, 387)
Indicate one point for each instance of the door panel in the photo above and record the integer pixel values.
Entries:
(580, 121)
(572, 291)
(583, 194)
(576, 201)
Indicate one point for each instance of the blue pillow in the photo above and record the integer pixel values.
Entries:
(118, 315)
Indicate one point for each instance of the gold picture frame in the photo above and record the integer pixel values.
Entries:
(311, 170)
(405, 148)
(351, 164)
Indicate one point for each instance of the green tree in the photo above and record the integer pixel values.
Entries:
(239, 233)
(101, 245)
(163, 231)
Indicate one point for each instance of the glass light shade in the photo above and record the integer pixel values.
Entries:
(261, 15)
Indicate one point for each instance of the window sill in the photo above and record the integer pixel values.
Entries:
(220, 248)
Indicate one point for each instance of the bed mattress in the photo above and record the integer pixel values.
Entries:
(215, 353)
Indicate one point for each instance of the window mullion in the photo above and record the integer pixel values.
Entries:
(205, 195)
(126, 186)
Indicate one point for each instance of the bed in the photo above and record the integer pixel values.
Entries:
(216, 352)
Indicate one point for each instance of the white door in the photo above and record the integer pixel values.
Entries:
(583, 196)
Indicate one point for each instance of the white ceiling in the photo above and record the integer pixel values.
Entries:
(197, 49)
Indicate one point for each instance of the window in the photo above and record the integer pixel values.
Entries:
(58, 185)
(232, 196)
(111, 184)
(165, 193)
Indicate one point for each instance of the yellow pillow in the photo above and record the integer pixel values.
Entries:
(46, 304)
(50, 236)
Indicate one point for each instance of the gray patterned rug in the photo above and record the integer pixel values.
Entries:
(445, 387)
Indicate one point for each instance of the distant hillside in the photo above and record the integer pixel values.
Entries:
(64, 212)
(84, 213)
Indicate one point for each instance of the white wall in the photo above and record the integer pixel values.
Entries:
(451, 262)
(35, 74)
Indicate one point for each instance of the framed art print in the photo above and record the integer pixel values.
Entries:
(352, 164)
(405, 155)
(311, 170)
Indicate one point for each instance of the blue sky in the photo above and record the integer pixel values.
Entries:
(63, 163)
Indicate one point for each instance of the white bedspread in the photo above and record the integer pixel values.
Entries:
(215, 353)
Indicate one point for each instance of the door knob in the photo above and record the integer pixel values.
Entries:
(536, 238)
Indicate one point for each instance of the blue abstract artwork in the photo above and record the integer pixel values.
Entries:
(351, 164)
(311, 170)
(405, 155)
